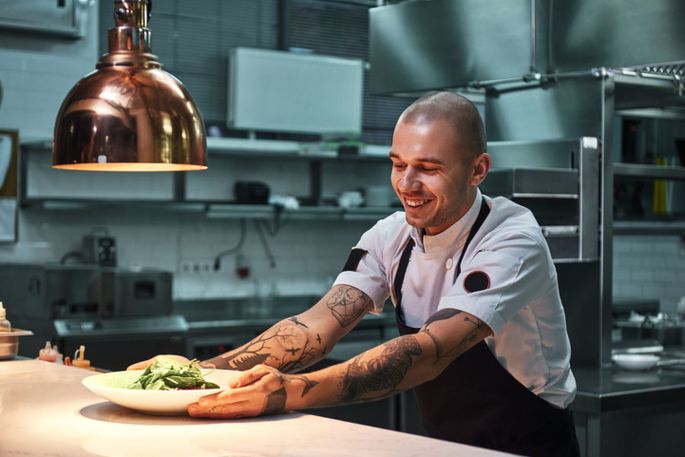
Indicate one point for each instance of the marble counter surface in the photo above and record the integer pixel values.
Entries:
(45, 411)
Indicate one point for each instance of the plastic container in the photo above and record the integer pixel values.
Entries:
(50, 353)
(5, 325)
(79, 358)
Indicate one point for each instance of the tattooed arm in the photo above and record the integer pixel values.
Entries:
(299, 341)
(380, 372)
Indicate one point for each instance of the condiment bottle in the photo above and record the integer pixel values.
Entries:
(48, 353)
(5, 325)
(79, 358)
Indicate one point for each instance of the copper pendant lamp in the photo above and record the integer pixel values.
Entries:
(129, 114)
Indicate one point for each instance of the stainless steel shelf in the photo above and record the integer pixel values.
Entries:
(230, 211)
(648, 171)
(676, 228)
(646, 91)
(245, 148)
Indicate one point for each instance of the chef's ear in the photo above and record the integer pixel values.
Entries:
(479, 169)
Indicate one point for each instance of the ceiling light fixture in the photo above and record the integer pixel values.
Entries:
(129, 114)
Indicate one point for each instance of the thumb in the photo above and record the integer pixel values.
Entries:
(140, 365)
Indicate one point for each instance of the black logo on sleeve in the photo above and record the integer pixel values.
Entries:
(354, 259)
(476, 281)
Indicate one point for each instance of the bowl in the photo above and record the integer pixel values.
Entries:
(635, 361)
(9, 343)
(113, 386)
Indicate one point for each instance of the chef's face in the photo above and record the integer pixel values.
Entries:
(432, 175)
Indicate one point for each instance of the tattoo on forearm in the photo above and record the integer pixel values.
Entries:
(297, 321)
(305, 356)
(381, 375)
(275, 402)
(289, 338)
(479, 328)
(308, 383)
(347, 305)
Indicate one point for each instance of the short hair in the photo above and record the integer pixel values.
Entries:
(458, 110)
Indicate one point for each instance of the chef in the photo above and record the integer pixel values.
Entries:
(483, 339)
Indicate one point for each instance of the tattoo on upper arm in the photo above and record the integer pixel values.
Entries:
(479, 331)
(380, 376)
(348, 304)
(442, 315)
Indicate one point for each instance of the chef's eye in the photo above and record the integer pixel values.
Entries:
(398, 166)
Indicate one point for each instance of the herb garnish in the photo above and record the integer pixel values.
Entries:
(169, 374)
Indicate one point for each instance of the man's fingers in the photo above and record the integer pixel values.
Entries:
(248, 377)
(140, 365)
(221, 410)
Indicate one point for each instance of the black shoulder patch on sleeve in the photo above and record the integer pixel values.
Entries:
(476, 281)
(353, 260)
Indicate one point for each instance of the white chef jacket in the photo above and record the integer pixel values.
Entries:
(521, 303)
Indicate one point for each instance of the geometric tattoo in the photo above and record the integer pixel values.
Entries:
(347, 305)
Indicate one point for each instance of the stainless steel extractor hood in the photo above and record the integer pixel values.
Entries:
(439, 44)
(427, 45)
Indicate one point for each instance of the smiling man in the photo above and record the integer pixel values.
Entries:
(483, 337)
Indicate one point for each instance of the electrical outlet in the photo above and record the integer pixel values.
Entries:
(194, 267)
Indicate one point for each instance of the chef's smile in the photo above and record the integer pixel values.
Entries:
(414, 203)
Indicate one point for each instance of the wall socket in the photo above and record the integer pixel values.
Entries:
(196, 267)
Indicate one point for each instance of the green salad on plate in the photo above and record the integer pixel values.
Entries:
(168, 374)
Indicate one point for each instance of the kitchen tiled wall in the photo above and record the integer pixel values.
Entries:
(308, 254)
(37, 72)
(651, 267)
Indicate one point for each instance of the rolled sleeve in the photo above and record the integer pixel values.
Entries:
(369, 276)
(512, 277)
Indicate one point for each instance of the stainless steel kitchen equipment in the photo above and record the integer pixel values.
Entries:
(420, 46)
(9, 342)
(64, 18)
(122, 315)
(559, 182)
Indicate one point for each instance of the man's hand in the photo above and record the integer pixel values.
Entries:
(142, 365)
(260, 391)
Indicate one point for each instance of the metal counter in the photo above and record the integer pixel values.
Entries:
(630, 413)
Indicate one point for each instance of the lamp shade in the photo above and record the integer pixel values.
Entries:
(129, 114)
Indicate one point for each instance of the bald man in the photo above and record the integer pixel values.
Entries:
(483, 338)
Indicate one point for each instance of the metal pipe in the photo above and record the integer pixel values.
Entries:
(533, 33)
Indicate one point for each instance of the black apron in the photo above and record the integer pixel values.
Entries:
(478, 402)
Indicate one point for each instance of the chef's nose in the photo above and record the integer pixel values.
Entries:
(409, 180)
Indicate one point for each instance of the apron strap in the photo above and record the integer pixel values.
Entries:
(482, 214)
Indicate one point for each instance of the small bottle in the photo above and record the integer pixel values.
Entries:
(80, 360)
(48, 353)
(5, 325)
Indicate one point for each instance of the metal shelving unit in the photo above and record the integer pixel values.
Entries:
(648, 171)
(174, 196)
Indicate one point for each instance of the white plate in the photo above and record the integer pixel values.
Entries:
(113, 387)
(635, 361)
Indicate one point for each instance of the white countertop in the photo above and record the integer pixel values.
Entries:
(45, 411)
